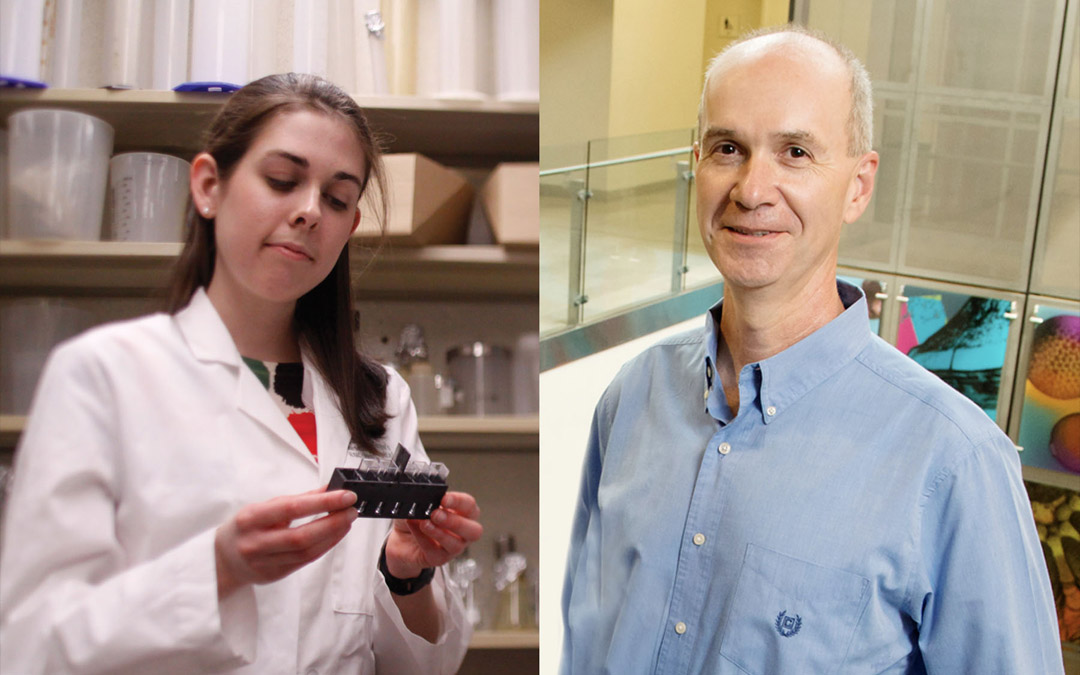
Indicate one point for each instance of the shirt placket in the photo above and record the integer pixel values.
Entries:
(683, 624)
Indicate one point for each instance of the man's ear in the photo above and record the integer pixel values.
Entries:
(861, 187)
(697, 151)
(205, 185)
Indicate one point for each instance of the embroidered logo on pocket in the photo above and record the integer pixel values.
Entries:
(788, 625)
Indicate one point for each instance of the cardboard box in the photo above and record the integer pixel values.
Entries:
(511, 201)
(429, 203)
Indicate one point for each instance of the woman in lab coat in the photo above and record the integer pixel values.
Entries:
(168, 513)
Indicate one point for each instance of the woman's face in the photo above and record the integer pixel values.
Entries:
(287, 210)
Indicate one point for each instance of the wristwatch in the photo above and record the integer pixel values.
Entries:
(404, 586)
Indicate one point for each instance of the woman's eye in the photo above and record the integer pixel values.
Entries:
(335, 203)
(281, 185)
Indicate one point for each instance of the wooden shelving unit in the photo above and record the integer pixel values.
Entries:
(480, 132)
(494, 639)
(491, 455)
(438, 432)
(436, 272)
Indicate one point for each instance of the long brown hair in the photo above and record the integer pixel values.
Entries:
(323, 316)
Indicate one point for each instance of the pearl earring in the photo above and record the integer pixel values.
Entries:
(206, 211)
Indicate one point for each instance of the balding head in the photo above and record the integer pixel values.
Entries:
(810, 45)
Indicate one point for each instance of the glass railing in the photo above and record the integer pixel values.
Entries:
(617, 227)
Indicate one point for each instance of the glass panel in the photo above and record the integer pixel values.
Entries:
(1057, 511)
(631, 220)
(869, 240)
(974, 189)
(559, 205)
(960, 338)
(880, 33)
(1057, 249)
(700, 268)
(993, 45)
(1050, 421)
(872, 288)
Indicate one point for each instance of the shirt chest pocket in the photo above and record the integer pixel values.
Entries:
(791, 616)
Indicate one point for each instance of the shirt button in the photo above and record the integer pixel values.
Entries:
(699, 539)
(724, 448)
(770, 411)
(680, 628)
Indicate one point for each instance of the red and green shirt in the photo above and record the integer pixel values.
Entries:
(292, 394)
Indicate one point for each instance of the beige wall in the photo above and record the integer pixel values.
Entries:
(612, 68)
(575, 71)
(655, 65)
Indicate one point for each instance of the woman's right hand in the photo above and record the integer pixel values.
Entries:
(257, 545)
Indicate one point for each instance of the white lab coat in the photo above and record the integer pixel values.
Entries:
(144, 437)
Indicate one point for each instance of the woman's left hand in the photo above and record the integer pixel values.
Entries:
(416, 544)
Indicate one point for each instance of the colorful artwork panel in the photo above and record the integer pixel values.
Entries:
(960, 338)
(1057, 518)
(1050, 419)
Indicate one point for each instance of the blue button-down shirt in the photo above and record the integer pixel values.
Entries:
(856, 516)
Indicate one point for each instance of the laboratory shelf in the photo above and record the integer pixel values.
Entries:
(505, 639)
(438, 432)
(137, 268)
(483, 132)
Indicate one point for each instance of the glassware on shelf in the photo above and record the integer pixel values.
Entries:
(464, 573)
(514, 609)
(412, 356)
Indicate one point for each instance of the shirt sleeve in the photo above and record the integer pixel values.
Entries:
(70, 601)
(579, 599)
(397, 649)
(982, 597)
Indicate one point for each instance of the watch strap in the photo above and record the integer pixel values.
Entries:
(404, 586)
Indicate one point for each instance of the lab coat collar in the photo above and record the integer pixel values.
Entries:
(205, 332)
(211, 342)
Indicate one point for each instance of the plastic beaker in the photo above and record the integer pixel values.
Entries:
(148, 193)
(58, 162)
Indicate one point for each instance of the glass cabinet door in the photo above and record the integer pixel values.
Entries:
(1056, 265)
(965, 336)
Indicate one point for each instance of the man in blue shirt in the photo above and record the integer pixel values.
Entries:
(784, 492)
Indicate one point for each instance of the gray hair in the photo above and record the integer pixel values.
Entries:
(860, 122)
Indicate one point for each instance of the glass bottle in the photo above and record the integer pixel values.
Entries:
(513, 604)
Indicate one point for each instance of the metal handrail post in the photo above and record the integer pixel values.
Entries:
(683, 176)
(576, 298)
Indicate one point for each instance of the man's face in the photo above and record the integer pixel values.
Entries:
(775, 181)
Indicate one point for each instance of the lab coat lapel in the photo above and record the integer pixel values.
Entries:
(210, 341)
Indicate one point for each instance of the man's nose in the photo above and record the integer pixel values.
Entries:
(755, 184)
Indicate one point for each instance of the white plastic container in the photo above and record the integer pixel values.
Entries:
(171, 19)
(462, 49)
(58, 164)
(21, 25)
(29, 329)
(67, 44)
(128, 32)
(148, 193)
(517, 50)
(310, 36)
(220, 36)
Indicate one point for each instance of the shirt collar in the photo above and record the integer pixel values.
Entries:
(782, 379)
